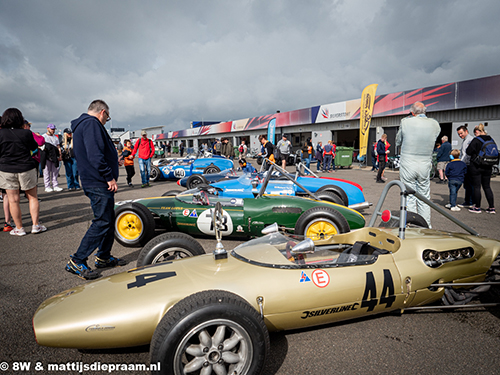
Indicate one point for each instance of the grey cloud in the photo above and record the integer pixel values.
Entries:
(173, 62)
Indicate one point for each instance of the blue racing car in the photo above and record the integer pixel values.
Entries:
(245, 185)
(186, 167)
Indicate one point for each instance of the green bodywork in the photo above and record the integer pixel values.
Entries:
(243, 217)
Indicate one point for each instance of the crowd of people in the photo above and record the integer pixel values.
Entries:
(91, 162)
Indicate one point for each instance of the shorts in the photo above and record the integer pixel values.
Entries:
(442, 165)
(19, 181)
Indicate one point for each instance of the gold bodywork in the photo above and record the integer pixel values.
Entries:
(124, 309)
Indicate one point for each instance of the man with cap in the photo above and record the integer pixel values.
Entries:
(52, 153)
(146, 149)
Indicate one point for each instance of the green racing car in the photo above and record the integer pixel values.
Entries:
(190, 212)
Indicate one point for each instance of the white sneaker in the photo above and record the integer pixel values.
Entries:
(38, 228)
(49, 190)
(17, 232)
(57, 188)
(448, 205)
(455, 208)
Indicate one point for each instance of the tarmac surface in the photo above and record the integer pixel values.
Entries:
(32, 269)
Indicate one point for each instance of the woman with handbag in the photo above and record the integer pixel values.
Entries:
(18, 169)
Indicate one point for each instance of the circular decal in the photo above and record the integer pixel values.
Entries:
(206, 225)
(320, 278)
(179, 172)
(185, 212)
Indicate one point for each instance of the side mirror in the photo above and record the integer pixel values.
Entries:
(304, 247)
(273, 228)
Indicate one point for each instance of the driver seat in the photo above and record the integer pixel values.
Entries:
(351, 255)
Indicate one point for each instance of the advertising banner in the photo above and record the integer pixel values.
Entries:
(271, 130)
(365, 118)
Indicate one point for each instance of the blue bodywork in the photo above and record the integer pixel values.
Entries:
(187, 167)
(242, 187)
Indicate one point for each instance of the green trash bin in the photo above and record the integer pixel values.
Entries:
(175, 149)
(343, 158)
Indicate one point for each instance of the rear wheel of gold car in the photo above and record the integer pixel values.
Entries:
(134, 225)
(169, 246)
(320, 223)
(210, 332)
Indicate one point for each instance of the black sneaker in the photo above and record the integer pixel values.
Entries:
(111, 262)
(81, 270)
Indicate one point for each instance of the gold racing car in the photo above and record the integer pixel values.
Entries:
(211, 314)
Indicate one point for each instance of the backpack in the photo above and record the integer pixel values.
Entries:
(241, 149)
(488, 156)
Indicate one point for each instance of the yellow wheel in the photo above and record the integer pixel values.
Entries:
(129, 225)
(321, 222)
(134, 224)
(321, 229)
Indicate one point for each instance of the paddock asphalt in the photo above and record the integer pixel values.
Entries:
(32, 269)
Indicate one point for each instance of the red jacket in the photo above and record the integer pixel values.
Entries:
(146, 148)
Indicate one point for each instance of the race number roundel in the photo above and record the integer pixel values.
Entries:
(320, 278)
(206, 225)
(179, 172)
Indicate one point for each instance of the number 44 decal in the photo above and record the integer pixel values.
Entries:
(370, 295)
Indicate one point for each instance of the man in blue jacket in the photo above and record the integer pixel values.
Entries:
(98, 166)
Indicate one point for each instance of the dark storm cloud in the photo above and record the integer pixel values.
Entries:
(171, 62)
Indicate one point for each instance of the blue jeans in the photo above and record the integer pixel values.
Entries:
(454, 186)
(318, 165)
(71, 173)
(100, 234)
(327, 163)
(145, 168)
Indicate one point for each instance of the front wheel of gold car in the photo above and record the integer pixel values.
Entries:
(210, 332)
(169, 246)
(319, 223)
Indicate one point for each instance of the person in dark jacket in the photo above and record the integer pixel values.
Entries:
(443, 157)
(480, 174)
(382, 157)
(18, 169)
(98, 165)
(455, 171)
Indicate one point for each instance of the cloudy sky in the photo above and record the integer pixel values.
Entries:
(169, 62)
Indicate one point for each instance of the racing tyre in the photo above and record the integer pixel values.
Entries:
(211, 169)
(329, 196)
(155, 173)
(321, 222)
(214, 331)
(134, 225)
(195, 180)
(171, 192)
(339, 191)
(412, 219)
(169, 246)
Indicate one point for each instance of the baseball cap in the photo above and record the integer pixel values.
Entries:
(144, 132)
(51, 126)
(68, 130)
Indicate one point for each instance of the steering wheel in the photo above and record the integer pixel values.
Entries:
(217, 219)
